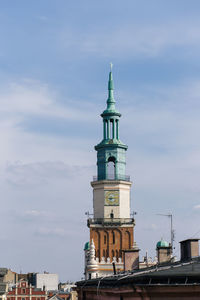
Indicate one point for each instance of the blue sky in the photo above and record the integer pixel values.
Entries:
(54, 64)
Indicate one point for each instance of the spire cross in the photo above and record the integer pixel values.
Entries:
(111, 66)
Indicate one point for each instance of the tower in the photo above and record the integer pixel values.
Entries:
(111, 228)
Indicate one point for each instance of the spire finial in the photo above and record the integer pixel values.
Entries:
(111, 66)
(110, 101)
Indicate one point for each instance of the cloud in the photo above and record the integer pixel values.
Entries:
(40, 173)
(29, 102)
(34, 213)
(150, 227)
(33, 98)
(53, 232)
(196, 207)
(130, 40)
(163, 154)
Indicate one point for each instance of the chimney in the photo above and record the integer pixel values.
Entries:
(131, 258)
(189, 249)
(164, 251)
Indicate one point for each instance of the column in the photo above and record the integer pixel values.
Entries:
(113, 129)
(108, 129)
(104, 129)
(117, 129)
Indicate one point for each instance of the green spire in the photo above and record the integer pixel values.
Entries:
(111, 149)
(111, 100)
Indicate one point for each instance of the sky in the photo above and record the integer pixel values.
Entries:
(54, 65)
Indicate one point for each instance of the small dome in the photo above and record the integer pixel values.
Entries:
(162, 243)
(87, 246)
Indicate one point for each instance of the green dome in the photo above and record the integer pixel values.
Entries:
(87, 246)
(162, 243)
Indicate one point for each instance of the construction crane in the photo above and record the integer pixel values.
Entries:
(169, 215)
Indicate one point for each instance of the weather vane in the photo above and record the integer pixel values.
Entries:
(111, 65)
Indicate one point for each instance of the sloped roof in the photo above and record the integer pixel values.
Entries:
(186, 273)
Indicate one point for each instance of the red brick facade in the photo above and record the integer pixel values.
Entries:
(24, 291)
(111, 241)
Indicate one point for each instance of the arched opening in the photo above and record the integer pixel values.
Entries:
(111, 168)
(113, 254)
(104, 239)
(104, 253)
(113, 128)
(117, 255)
(128, 240)
(113, 237)
(112, 215)
(120, 253)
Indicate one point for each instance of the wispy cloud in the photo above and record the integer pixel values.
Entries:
(150, 227)
(196, 207)
(54, 232)
(40, 173)
(128, 40)
(30, 98)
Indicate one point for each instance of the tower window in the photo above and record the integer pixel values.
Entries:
(111, 168)
(104, 239)
(117, 255)
(113, 237)
(112, 215)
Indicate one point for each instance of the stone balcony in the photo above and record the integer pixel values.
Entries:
(112, 177)
(110, 221)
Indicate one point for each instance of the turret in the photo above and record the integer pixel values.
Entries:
(92, 264)
(111, 157)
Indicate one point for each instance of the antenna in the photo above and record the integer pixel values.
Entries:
(169, 215)
(134, 213)
(88, 214)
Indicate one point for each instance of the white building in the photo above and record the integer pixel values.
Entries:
(47, 281)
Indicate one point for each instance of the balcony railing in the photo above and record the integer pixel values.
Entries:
(112, 177)
(110, 221)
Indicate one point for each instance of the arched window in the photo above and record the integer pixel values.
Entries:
(113, 237)
(117, 255)
(120, 253)
(104, 239)
(111, 168)
(107, 253)
(113, 254)
(128, 239)
(104, 253)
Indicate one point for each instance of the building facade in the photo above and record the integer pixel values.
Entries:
(25, 291)
(168, 279)
(111, 228)
(47, 280)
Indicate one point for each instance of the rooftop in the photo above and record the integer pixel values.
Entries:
(187, 273)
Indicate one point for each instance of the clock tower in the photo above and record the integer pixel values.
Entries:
(111, 228)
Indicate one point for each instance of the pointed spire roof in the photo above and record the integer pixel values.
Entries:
(110, 110)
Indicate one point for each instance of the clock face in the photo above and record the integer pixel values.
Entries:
(111, 197)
